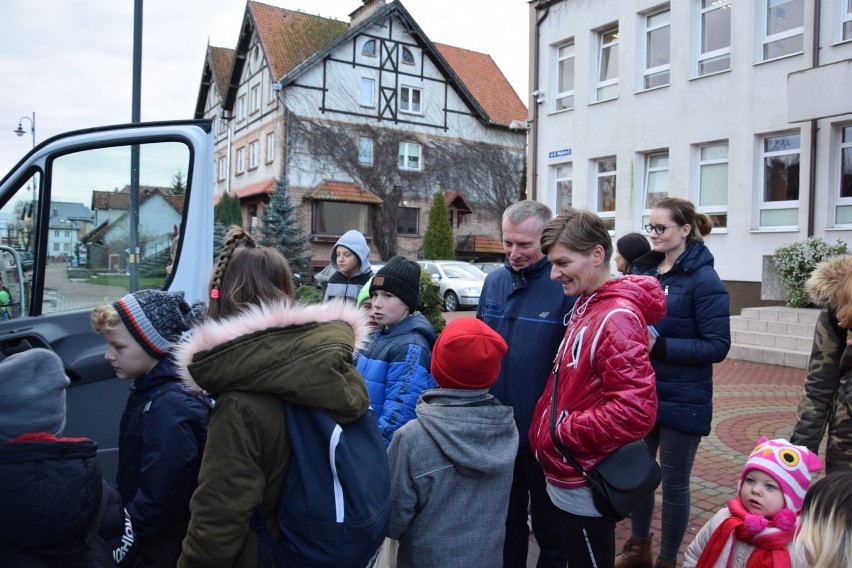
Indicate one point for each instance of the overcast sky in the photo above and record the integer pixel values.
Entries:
(71, 61)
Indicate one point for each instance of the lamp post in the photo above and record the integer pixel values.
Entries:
(20, 130)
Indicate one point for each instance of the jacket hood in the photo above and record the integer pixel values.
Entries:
(415, 323)
(49, 490)
(354, 241)
(299, 353)
(471, 428)
(643, 293)
(825, 280)
(694, 257)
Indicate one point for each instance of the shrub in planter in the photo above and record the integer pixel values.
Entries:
(795, 263)
(431, 303)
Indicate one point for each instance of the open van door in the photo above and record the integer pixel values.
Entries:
(66, 245)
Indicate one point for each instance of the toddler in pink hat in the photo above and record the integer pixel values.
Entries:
(757, 527)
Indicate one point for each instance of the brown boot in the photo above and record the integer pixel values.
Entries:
(635, 554)
(665, 563)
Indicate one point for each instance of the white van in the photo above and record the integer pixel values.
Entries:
(87, 217)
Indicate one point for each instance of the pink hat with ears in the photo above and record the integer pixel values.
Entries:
(791, 466)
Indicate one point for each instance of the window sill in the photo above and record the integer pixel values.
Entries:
(789, 55)
(713, 74)
(593, 103)
(844, 229)
(639, 92)
(767, 230)
(840, 42)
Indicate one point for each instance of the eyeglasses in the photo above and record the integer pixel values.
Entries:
(660, 229)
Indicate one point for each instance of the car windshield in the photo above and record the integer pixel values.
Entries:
(462, 271)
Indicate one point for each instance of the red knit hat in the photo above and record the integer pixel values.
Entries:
(467, 355)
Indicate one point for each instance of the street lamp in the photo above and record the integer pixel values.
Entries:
(20, 130)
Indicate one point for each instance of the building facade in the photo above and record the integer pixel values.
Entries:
(741, 106)
(359, 119)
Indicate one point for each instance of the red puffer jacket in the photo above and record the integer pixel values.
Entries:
(606, 394)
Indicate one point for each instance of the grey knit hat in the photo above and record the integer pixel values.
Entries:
(400, 277)
(156, 319)
(32, 394)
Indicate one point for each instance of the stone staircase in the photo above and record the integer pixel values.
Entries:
(774, 335)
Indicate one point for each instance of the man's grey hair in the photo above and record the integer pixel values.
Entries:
(523, 210)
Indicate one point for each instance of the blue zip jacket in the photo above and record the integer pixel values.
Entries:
(159, 451)
(695, 333)
(396, 367)
(528, 310)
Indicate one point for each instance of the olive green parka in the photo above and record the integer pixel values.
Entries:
(251, 363)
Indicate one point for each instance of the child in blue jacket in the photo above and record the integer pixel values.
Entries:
(164, 427)
(396, 363)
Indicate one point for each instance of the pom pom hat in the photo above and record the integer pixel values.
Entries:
(400, 277)
(157, 319)
(467, 355)
(791, 466)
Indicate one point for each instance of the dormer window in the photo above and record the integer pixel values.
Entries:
(407, 56)
(369, 48)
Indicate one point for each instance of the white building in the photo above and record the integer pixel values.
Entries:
(723, 102)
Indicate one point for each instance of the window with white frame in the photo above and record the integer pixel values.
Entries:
(223, 125)
(714, 53)
(656, 182)
(222, 168)
(563, 179)
(270, 146)
(255, 98)
(846, 20)
(241, 160)
(565, 76)
(607, 64)
(367, 96)
(779, 200)
(369, 48)
(783, 29)
(365, 151)
(605, 184)
(409, 156)
(843, 216)
(272, 93)
(253, 150)
(409, 99)
(713, 182)
(241, 107)
(658, 53)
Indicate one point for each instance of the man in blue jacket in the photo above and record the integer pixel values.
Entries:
(521, 303)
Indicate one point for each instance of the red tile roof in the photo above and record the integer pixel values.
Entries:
(486, 83)
(262, 187)
(483, 244)
(457, 202)
(221, 62)
(290, 37)
(342, 191)
(120, 200)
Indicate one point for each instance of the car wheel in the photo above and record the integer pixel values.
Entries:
(451, 302)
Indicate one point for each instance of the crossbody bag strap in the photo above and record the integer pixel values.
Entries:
(556, 441)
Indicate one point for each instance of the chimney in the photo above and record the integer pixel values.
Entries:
(368, 7)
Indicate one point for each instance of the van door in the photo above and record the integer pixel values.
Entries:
(71, 240)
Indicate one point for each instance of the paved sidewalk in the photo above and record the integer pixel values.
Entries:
(749, 400)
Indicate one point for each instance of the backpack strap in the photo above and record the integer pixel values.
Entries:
(202, 399)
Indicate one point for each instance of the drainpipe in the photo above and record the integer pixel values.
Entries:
(228, 157)
(813, 137)
(545, 4)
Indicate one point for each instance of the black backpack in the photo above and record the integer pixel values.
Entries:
(335, 502)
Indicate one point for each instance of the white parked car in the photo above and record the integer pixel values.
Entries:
(460, 282)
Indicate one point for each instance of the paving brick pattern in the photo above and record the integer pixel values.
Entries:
(750, 400)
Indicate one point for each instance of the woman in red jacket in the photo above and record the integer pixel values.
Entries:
(605, 395)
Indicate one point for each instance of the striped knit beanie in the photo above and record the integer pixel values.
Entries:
(791, 466)
(156, 319)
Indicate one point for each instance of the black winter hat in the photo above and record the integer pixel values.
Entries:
(400, 277)
(631, 246)
(157, 319)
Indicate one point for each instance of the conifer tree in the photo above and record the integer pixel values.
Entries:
(438, 240)
(227, 211)
(281, 229)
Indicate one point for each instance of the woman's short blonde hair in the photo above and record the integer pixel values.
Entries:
(824, 537)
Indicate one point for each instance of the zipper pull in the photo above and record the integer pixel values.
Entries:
(666, 291)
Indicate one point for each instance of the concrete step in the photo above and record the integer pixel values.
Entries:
(774, 335)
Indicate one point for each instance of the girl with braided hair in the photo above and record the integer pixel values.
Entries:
(260, 347)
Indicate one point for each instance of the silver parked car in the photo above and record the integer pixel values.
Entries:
(460, 282)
